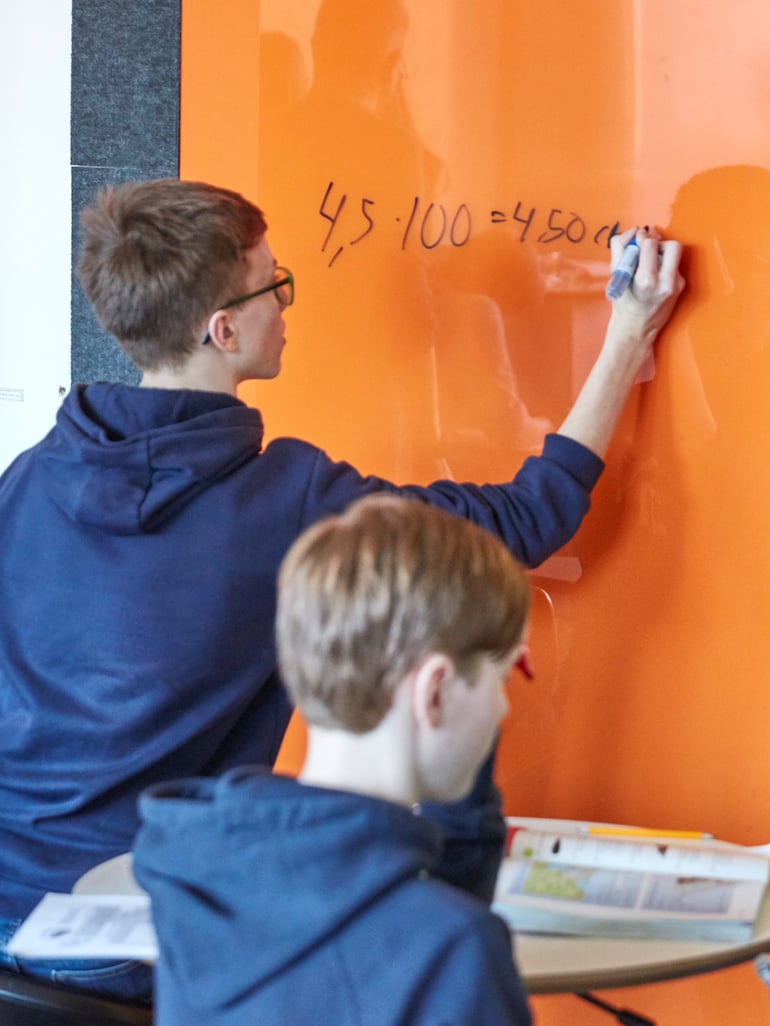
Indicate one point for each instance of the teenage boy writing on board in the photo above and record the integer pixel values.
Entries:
(284, 901)
(142, 536)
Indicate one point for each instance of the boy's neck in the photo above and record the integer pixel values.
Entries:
(203, 371)
(378, 763)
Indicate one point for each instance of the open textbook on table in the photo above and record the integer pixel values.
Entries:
(628, 884)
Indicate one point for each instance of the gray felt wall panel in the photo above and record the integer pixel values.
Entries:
(124, 126)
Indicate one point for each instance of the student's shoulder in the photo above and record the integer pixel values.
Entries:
(459, 911)
(287, 451)
(466, 955)
(335, 482)
(287, 446)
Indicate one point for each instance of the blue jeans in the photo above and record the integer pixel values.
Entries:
(122, 981)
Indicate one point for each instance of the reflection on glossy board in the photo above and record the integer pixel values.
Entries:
(442, 177)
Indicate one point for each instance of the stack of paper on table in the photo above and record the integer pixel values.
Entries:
(570, 881)
(87, 926)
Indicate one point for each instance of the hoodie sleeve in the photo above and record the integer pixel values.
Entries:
(535, 513)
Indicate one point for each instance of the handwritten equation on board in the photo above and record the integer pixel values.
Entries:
(428, 224)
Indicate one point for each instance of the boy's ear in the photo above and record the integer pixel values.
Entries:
(221, 331)
(429, 690)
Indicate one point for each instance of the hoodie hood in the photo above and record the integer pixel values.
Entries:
(125, 460)
(259, 856)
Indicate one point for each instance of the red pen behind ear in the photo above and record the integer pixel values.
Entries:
(524, 665)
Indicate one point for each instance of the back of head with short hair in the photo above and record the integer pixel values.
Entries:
(364, 596)
(158, 257)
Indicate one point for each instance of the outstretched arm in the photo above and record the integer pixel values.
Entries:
(636, 318)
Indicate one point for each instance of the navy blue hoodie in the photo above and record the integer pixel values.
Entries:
(140, 544)
(284, 905)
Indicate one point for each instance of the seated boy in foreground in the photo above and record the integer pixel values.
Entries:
(283, 901)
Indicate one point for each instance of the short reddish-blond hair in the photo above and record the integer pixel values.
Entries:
(364, 596)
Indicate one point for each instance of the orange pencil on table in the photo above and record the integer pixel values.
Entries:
(620, 831)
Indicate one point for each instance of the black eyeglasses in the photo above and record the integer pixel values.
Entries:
(282, 285)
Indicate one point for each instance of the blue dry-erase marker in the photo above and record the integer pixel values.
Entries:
(621, 277)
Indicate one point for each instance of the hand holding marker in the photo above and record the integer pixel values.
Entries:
(650, 264)
(621, 277)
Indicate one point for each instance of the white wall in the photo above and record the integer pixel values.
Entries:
(35, 49)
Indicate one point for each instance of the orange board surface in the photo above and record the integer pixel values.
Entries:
(442, 177)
